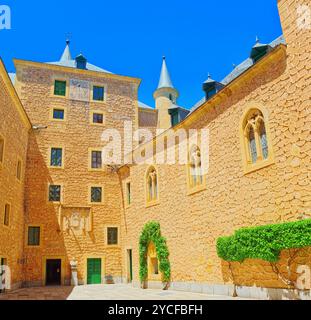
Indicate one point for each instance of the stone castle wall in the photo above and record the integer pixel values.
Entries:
(76, 135)
(192, 223)
(14, 130)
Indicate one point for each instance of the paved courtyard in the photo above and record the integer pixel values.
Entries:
(104, 292)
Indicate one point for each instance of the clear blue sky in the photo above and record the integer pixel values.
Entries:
(130, 37)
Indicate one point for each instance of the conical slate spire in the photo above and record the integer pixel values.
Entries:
(66, 56)
(165, 79)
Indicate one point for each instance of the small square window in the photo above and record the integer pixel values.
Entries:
(112, 236)
(96, 159)
(60, 88)
(58, 114)
(56, 157)
(96, 194)
(19, 170)
(98, 93)
(98, 118)
(54, 193)
(1, 149)
(7, 211)
(34, 236)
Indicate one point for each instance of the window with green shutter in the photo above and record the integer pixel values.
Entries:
(56, 157)
(54, 193)
(98, 93)
(96, 194)
(34, 236)
(60, 88)
(112, 236)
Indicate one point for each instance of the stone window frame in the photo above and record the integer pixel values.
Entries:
(90, 194)
(4, 214)
(58, 108)
(90, 151)
(106, 236)
(61, 192)
(3, 151)
(193, 189)
(248, 166)
(101, 85)
(27, 236)
(155, 200)
(92, 112)
(60, 78)
(50, 157)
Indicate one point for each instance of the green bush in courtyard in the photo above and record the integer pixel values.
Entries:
(264, 242)
(152, 233)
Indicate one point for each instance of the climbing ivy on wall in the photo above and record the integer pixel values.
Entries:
(152, 233)
(265, 242)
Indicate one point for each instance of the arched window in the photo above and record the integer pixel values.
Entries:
(256, 142)
(195, 167)
(152, 185)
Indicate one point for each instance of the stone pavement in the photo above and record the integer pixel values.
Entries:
(104, 292)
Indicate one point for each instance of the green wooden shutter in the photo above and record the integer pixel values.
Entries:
(34, 236)
(60, 88)
(94, 275)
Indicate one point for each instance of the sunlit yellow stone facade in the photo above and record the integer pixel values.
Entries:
(233, 194)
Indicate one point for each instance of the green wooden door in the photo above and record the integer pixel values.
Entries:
(94, 271)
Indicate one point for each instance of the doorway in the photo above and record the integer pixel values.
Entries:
(53, 272)
(94, 271)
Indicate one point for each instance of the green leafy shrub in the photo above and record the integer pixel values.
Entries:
(152, 233)
(265, 242)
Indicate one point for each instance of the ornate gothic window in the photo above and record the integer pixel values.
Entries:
(256, 143)
(152, 185)
(195, 167)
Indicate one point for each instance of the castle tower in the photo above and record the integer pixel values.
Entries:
(296, 24)
(165, 97)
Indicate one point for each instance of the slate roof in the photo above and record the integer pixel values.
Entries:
(144, 106)
(165, 79)
(238, 70)
(67, 61)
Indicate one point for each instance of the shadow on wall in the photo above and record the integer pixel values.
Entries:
(263, 275)
(39, 212)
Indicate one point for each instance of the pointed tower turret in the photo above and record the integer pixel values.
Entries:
(66, 56)
(165, 96)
